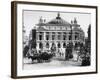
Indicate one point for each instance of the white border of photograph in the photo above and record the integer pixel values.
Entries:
(21, 72)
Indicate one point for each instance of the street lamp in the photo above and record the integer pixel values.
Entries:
(69, 47)
(71, 44)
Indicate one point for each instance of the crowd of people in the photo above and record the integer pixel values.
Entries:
(47, 55)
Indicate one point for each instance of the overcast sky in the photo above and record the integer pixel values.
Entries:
(30, 18)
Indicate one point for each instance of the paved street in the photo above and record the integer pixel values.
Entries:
(54, 63)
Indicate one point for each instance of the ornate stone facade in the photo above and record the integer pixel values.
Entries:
(58, 33)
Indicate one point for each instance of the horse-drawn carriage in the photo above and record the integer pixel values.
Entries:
(40, 56)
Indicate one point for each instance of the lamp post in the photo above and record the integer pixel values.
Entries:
(71, 44)
(69, 47)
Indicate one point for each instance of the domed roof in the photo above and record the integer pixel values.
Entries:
(58, 21)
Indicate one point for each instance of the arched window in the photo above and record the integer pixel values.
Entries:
(53, 44)
(64, 35)
(59, 35)
(40, 45)
(40, 35)
(70, 36)
(47, 45)
(64, 45)
(47, 35)
(53, 47)
(59, 45)
(76, 36)
(53, 35)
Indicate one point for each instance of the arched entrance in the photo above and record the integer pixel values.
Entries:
(59, 45)
(40, 45)
(64, 45)
(47, 45)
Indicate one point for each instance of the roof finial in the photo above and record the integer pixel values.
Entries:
(41, 20)
(71, 22)
(75, 21)
(58, 15)
(34, 27)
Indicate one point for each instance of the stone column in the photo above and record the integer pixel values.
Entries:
(50, 44)
(73, 36)
(61, 43)
(79, 36)
(44, 36)
(44, 45)
(56, 43)
(61, 35)
(50, 35)
(37, 47)
(67, 36)
(55, 35)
